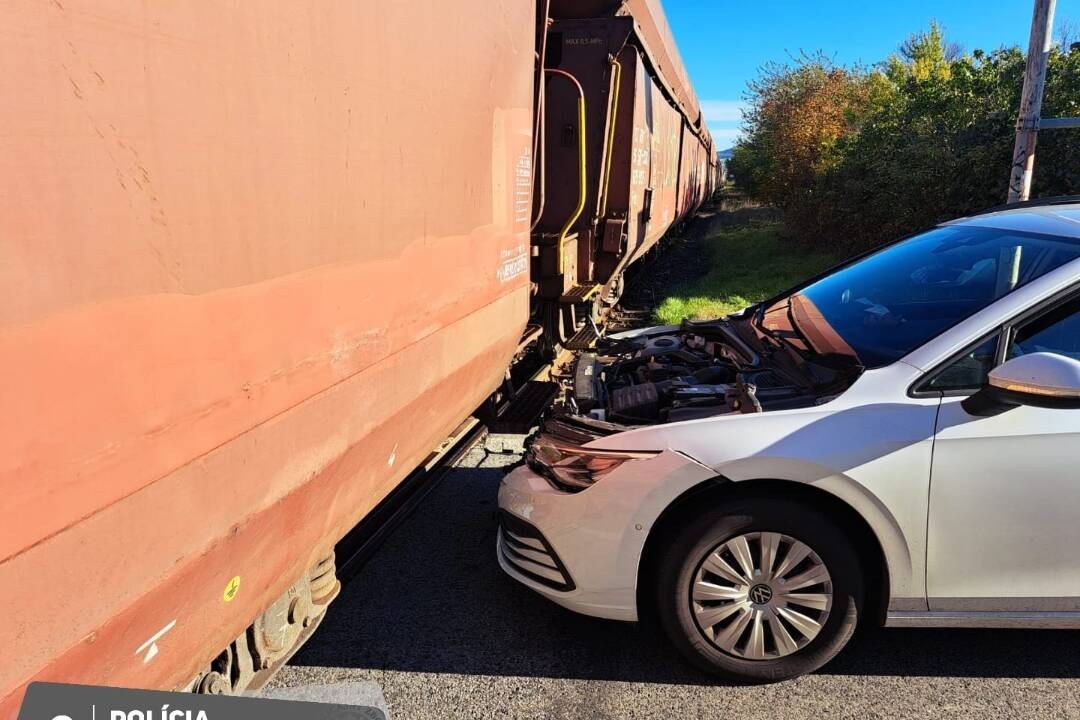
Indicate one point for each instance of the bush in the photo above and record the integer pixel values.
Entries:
(858, 156)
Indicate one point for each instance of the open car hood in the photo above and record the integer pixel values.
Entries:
(691, 371)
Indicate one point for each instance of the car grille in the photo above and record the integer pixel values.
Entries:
(528, 552)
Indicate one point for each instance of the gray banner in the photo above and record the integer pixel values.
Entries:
(55, 701)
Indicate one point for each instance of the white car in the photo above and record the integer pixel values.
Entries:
(895, 441)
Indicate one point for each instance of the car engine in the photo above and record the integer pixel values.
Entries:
(691, 373)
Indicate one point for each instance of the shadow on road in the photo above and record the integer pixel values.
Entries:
(433, 599)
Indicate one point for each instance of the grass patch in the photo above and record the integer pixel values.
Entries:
(746, 265)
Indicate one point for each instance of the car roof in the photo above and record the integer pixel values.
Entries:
(1062, 219)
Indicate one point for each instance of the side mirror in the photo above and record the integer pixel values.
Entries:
(1046, 380)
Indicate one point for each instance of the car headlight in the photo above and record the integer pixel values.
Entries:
(572, 467)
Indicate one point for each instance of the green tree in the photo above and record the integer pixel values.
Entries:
(856, 157)
(800, 116)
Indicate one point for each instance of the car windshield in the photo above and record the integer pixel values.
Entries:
(884, 306)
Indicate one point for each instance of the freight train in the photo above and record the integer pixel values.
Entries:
(259, 259)
(624, 154)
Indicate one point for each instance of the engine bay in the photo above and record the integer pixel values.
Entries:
(696, 371)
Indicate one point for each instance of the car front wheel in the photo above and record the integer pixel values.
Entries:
(759, 590)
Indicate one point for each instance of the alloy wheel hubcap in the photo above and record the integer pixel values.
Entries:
(761, 595)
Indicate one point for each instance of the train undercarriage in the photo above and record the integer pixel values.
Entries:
(255, 656)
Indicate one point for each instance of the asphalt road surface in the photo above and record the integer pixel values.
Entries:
(432, 619)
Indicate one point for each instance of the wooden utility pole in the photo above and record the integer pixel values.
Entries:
(1027, 126)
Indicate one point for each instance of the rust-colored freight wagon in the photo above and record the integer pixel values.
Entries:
(258, 259)
(625, 152)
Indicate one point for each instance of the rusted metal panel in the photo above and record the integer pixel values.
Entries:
(693, 173)
(261, 542)
(630, 175)
(644, 152)
(581, 49)
(666, 132)
(614, 230)
(646, 165)
(258, 261)
(654, 35)
(686, 171)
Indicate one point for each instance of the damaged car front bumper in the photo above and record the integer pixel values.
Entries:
(582, 548)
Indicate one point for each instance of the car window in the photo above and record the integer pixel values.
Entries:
(968, 372)
(889, 303)
(1058, 331)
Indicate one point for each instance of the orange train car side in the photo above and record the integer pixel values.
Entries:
(258, 259)
(645, 147)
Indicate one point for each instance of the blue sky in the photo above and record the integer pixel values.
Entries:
(724, 42)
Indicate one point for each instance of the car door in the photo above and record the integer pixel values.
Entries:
(1004, 506)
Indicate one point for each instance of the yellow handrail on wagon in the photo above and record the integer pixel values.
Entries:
(581, 166)
(611, 135)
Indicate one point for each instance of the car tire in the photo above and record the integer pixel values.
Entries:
(778, 639)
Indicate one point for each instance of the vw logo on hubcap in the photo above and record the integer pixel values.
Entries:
(760, 594)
